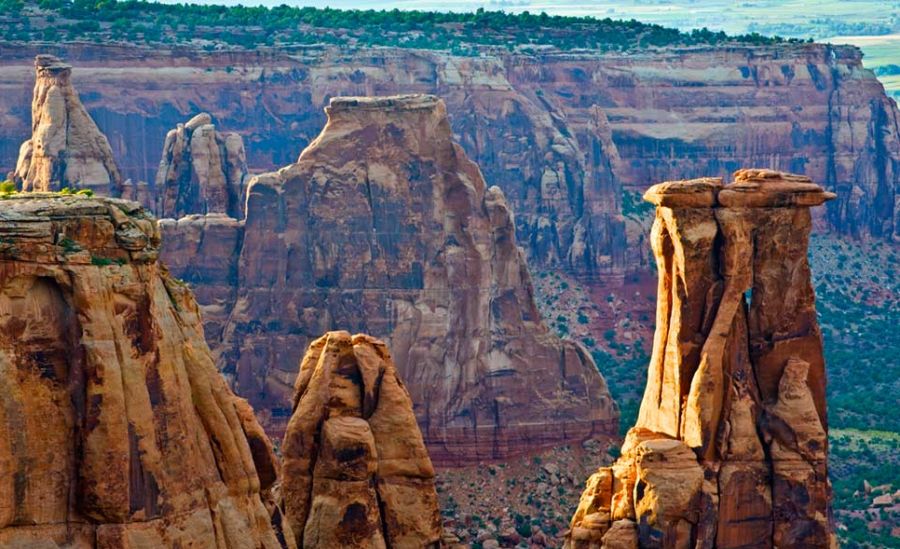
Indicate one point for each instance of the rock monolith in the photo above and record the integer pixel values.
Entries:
(356, 471)
(66, 149)
(202, 171)
(730, 445)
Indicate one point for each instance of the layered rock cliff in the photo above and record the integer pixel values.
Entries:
(116, 429)
(730, 445)
(385, 226)
(563, 134)
(356, 470)
(202, 171)
(66, 149)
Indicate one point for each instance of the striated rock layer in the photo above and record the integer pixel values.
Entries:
(66, 148)
(384, 226)
(562, 133)
(730, 446)
(356, 472)
(116, 429)
(202, 171)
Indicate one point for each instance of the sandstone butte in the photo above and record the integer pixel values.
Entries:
(116, 429)
(730, 445)
(356, 471)
(66, 148)
(384, 226)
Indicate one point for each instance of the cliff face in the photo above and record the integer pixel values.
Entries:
(561, 134)
(730, 445)
(116, 429)
(385, 226)
(356, 470)
(66, 149)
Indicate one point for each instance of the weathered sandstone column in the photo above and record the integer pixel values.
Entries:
(730, 446)
(202, 171)
(356, 471)
(66, 148)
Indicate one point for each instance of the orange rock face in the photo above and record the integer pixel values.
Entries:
(116, 429)
(66, 148)
(730, 445)
(384, 225)
(356, 472)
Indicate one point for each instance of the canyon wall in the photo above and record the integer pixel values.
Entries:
(563, 134)
(116, 429)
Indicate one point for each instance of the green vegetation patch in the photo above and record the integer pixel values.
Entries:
(212, 26)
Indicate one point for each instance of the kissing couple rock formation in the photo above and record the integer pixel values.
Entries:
(730, 446)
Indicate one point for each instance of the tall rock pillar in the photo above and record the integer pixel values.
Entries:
(730, 446)
(66, 148)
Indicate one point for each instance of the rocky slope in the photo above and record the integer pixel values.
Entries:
(730, 445)
(561, 133)
(66, 149)
(116, 429)
(356, 472)
(385, 226)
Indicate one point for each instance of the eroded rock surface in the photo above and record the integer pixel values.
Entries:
(66, 148)
(356, 471)
(730, 446)
(384, 226)
(202, 171)
(116, 429)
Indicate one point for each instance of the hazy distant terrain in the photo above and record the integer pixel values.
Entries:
(873, 25)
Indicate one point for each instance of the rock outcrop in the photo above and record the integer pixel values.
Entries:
(202, 171)
(383, 226)
(356, 472)
(730, 446)
(66, 148)
(116, 429)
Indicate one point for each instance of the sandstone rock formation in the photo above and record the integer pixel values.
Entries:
(730, 446)
(384, 226)
(202, 171)
(116, 429)
(356, 472)
(562, 133)
(66, 148)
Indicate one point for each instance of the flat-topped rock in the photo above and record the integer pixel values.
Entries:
(51, 63)
(690, 193)
(56, 228)
(751, 188)
(772, 189)
(413, 101)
